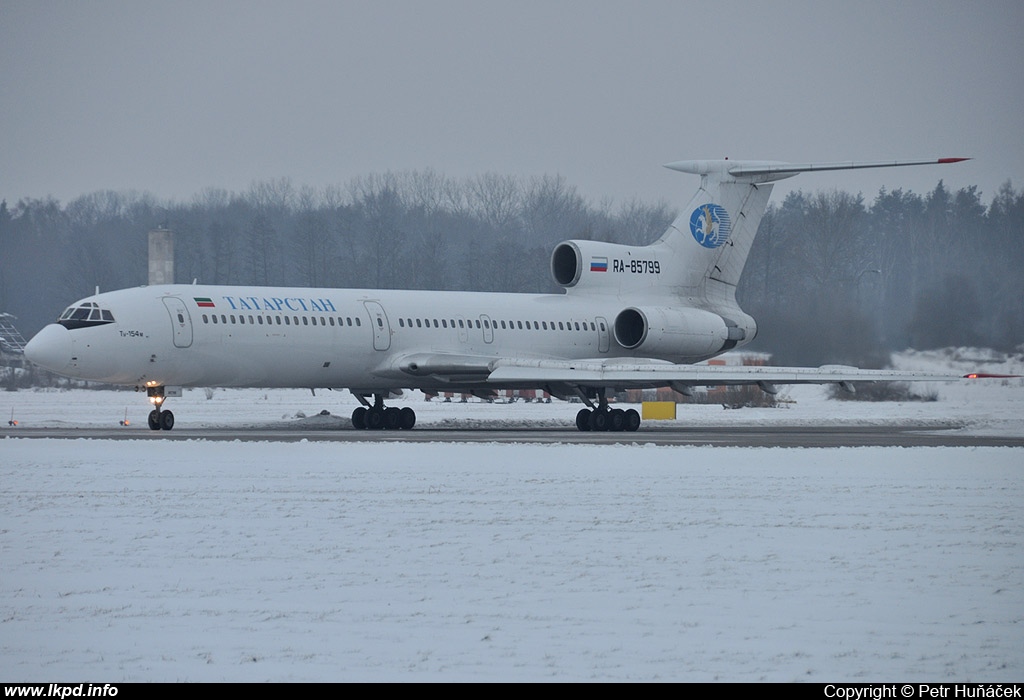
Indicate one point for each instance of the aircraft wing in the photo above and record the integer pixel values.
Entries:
(622, 373)
(633, 374)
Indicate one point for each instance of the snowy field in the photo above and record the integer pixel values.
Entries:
(247, 561)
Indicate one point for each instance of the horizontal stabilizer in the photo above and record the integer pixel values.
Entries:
(770, 171)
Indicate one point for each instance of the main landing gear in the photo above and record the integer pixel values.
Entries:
(601, 418)
(158, 418)
(380, 417)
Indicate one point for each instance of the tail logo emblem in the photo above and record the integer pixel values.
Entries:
(710, 225)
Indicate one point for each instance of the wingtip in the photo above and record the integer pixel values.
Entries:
(952, 160)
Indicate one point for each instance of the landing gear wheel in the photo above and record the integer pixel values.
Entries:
(392, 418)
(632, 421)
(374, 418)
(359, 418)
(381, 417)
(407, 418)
(154, 420)
(617, 419)
(166, 420)
(599, 420)
(583, 420)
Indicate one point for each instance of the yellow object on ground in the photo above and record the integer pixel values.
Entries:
(658, 410)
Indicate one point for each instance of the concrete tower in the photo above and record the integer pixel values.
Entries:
(161, 256)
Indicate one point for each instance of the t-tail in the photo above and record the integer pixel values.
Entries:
(700, 258)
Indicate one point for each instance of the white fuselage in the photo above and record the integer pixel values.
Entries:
(197, 335)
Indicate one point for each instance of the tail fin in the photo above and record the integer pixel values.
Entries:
(700, 258)
(712, 237)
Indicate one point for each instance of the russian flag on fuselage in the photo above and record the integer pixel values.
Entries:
(599, 264)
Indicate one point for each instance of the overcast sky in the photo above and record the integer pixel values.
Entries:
(174, 98)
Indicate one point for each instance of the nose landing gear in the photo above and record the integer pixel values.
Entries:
(159, 419)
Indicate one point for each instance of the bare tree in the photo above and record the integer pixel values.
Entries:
(497, 199)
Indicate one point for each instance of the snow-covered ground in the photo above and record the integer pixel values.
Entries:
(138, 560)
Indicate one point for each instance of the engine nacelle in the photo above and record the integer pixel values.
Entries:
(596, 266)
(681, 334)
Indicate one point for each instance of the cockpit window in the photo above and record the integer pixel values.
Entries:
(85, 315)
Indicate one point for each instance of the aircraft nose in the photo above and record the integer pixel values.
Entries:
(50, 348)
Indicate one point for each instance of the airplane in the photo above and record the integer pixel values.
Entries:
(627, 317)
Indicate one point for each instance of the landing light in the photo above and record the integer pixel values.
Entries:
(156, 400)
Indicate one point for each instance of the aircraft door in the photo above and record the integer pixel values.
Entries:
(181, 322)
(602, 334)
(381, 327)
(486, 322)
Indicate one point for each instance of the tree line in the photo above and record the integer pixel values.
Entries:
(831, 278)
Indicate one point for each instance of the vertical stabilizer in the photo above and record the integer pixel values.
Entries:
(712, 237)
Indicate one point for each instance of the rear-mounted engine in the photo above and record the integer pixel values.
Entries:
(683, 333)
